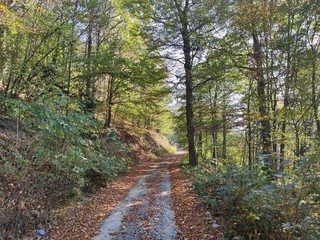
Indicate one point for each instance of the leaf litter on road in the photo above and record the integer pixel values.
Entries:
(159, 214)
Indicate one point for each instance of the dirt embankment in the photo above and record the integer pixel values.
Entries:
(28, 192)
(143, 144)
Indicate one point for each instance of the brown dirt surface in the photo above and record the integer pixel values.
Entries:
(192, 217)
(82, 221)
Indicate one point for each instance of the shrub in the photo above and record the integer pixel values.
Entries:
(255, 205)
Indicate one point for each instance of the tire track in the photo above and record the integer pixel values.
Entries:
(146, 212)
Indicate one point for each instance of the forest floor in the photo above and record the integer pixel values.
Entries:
(152, 200)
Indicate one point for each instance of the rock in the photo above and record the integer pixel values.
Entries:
(41, 232)
(215, 226)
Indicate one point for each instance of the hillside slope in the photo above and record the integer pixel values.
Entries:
(40, 171)
(143, 144)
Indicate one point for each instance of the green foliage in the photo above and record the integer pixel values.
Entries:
(64, 153)
(254, 205)
(70, 139)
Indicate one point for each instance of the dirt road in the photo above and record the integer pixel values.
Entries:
(154, 200)
(146, 213)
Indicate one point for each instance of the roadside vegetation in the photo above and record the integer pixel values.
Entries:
(50, 157)
(262, 204)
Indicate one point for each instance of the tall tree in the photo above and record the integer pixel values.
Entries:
(183, 30)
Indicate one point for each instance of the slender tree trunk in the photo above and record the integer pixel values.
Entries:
(2, 46)
(213, 109)
(71, 46)
(89, 97)
(297, 135)
(224, 142)
(200, 138)
(288, 79)
(215, 143)
(224, 130)
(274, 100)
(249, 127)
(315, 95)
(261, 85)
(200, 144)
(109, 102)
(283, 128)
(269, 80)
(2, 67)
(206, 144)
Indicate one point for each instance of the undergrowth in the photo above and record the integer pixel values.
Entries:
(256, 204)
(56, 153)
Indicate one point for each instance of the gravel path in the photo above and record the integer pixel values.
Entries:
(146, 212)
(152, 200)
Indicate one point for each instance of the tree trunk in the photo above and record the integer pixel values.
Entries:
(261, 84)
(288, 79)
(315, 95)
(283, 128)
(215, 143)
(214, 130)
(250, 150)
(200, 139)
(249, 127)
(71, 47)
(297, 140)
(109, 103)
(89, 83)
(2, 46)
(224, 130)
(2, 66)
(193, 160)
